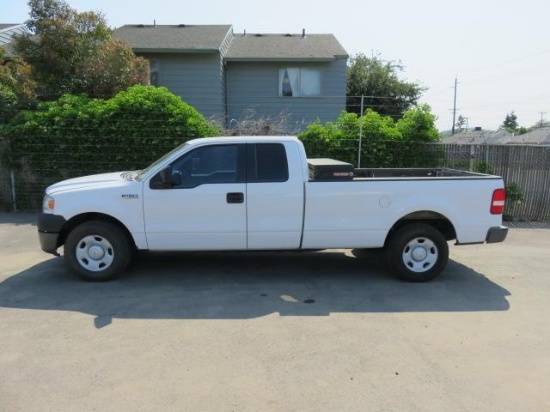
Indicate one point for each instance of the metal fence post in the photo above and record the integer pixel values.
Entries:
(14, 199)
(360, 133)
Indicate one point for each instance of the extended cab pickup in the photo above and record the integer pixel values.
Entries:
(260, 193)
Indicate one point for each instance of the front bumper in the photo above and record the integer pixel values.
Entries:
(496, 234)
(49, 229)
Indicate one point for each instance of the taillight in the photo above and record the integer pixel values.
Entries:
(498, 202)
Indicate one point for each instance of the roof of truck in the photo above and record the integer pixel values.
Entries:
(242, 139)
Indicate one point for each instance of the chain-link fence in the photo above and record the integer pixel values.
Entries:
(525, 169)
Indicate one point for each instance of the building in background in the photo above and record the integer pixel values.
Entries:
(290, 78)
(7, 32)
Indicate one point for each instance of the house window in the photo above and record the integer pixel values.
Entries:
(299, 82)
(154, 72)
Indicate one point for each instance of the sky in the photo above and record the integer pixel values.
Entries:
(499, 51)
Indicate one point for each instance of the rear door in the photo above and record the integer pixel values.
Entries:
(275, 196)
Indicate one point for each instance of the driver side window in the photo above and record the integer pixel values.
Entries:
(208, 165)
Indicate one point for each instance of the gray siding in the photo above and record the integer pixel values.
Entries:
(224, 48)
(197, 78)
(253, 89)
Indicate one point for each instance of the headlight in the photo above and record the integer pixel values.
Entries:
(48, 204)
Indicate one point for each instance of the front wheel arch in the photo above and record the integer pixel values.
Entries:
(77, 220)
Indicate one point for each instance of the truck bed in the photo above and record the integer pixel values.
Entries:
(375, 173)
(326, 170)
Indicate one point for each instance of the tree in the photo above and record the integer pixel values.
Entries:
(379, 82)
(64, 45)
(510, 122)
(16, 86)
(111, 69)
(460, 123)
(418, 125)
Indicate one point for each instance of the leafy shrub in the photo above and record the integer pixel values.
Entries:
(77, 135)
(514, 195)
(8, 103)
(384, 142)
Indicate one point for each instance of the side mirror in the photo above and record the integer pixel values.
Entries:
(162, 180)
(166, 176)
(176, 178)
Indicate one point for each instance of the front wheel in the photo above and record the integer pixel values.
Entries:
(97, 250)
(417, 252)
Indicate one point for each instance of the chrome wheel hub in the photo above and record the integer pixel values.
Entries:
(420, 254)
(94, 253)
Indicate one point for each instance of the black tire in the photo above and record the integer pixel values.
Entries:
(417, 252)
(97, 251)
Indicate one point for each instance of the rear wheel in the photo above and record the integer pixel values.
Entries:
(97, 250)
(417, 252)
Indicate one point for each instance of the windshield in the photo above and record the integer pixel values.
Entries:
(144, 172)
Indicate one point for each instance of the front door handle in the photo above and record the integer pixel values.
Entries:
(235, 197)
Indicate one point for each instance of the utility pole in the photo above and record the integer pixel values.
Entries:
(454, 110)
(360, 132)
(542, 118)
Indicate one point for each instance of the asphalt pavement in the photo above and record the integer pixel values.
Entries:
(315, 331)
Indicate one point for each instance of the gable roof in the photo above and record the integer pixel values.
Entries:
(285, 47)
(184, 38)
(538, 136)
(7, 31)
(180, 38)
(4, 26)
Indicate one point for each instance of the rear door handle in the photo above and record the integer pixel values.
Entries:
(235, 197)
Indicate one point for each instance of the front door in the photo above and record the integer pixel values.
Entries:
(205, 207)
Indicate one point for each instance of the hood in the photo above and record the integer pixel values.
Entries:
(103, 180)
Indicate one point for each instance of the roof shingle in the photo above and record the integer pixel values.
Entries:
(278, 47)
(7, 31)
(173, 38)
(244, 47)
(538, 136)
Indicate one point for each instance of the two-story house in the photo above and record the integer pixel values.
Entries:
(7, 33)
(231, 76)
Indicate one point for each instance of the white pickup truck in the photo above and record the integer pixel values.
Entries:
(262, 193)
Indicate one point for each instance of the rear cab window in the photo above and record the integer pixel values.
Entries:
(266, 162)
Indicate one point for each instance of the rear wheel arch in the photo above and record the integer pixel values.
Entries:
(436, 220)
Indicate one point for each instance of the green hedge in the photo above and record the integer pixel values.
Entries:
(384, 143)
(76, 135)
